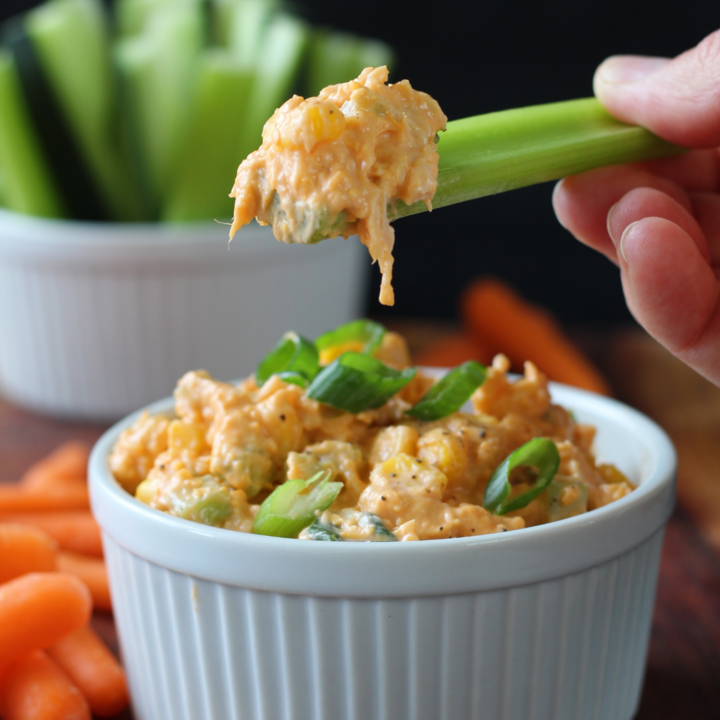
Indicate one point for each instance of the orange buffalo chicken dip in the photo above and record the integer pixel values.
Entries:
(341, 439)
(333, 164)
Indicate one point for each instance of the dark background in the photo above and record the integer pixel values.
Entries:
(478, 57)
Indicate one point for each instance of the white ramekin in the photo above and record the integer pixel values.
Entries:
(547, 623)
(97, 319)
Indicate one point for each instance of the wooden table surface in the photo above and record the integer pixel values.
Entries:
(683, 673)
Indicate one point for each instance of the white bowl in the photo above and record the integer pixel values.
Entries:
(97, 319)
(546, 623)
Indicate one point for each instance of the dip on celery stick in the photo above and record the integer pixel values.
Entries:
(332, 164)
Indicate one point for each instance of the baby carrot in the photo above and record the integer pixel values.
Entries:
(35, 688)
(75, 531)
(67, 465)
(499, 316)
(454, 350)
(92, 667)
(37, 610)
(25, 549)
(92, 572)
(17, 498)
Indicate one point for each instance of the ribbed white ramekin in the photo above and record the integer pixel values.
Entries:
(547, 623)
(98, 319)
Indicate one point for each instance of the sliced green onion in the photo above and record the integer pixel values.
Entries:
(451, 393)
(294, 355)
(500, 151)
(355, 382)
(540, 453)
(323, 531)
(557, 510)
(380, 532)
(294, 378)
(366, 332)
(295, 504)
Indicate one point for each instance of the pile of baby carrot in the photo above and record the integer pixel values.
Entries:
(52, 664)
(496, 319)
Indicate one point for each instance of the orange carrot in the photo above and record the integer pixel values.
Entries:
(500, 317)
(25, 549)
(92, 667)
(35, 688)
(74, 531)
(454, 350)
(65, 466)
(92, 572)
(37, 610)
(17, 499)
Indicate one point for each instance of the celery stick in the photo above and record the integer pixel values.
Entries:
(277, 66)
(493, 153)
(205, 175)
(131, 16)
(240, 25)
(374, 53)
(333, 58)
(72, 42)
(339, 57)
(157, 69)
(28, 186)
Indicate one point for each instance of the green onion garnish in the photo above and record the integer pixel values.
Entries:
(365, 332)
(355, 382)
(451, 393)
(294, 378)
(293, 354)
(540, 453)
(324, 532)
(295, 504)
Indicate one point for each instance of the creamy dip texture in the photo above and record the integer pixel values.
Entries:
(331, 165)
(229, 446)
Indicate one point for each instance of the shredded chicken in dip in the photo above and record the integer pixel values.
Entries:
(331, 165)
(229, 446)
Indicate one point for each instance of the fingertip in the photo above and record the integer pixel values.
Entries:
(669, 286)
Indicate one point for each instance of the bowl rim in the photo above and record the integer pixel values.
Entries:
(371, 570)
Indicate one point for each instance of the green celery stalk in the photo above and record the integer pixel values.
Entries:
(493, 153)
(241, 26)
(72, 42)
(205, 175)
(336, 57)
(28, 187)
(277, 66)
(131, 16)
(157, 71)
(333, 57)
(374, 53)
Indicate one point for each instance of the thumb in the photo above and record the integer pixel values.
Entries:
(679, 99)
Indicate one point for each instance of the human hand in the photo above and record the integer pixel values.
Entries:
(659, 221)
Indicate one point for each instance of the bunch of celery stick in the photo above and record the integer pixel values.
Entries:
(145, 115)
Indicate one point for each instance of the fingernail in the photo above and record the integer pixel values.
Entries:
(556, 190)
(609, 225)
(629, 68)
(621, 244)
